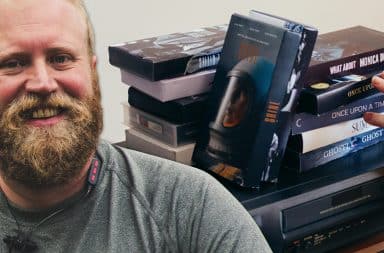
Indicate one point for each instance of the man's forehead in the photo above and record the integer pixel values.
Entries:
(19, 2)
(25, 14)
(27, 8)
(36, 28)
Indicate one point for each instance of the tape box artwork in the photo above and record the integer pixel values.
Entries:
(255, 90)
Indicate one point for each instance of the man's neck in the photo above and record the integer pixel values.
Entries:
(38, 199)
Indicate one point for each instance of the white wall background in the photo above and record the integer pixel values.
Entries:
(117, 21)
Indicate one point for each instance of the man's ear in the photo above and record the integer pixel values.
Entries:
(94, 62)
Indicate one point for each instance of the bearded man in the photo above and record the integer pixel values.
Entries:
(62, 189)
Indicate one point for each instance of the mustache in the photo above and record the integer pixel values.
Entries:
(21, 109)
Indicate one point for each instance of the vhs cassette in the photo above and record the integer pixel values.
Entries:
(140, 141)
(170, 55)
(173, 88)
(169, 133)
(181, 110)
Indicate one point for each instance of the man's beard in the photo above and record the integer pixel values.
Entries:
(41, 157)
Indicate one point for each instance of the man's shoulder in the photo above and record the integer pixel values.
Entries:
(186, 202)
(145, 172)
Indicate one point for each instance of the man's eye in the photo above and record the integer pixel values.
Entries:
(60, 59)
(12, 64)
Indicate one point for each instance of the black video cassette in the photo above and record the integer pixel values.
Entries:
(181, 110)
(170, 55)
(165, 131)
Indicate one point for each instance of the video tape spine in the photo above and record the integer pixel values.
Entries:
(304, 121)
(307, 37)
(170, 55)
(302, 162)
(353, 50)
(181, 110)
(320, 137)
(142, 142)
(174, 88)
(172, 134)
(322, 97)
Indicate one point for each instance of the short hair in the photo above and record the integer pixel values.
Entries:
(79, 4)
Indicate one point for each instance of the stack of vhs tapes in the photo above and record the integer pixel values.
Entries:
(168, 77)
(329, 122)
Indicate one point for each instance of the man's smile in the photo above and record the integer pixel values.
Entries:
(42, 116)
(45, 113)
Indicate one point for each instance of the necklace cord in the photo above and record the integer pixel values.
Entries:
(22, 240)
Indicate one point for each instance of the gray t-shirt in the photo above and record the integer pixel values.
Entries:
(142, 203)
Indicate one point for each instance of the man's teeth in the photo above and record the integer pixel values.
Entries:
(44, 113)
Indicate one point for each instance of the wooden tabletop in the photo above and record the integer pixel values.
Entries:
(372, 244)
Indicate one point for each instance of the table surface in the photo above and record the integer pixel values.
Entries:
(372, 244)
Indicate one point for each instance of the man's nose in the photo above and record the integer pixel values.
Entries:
(41, 81)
